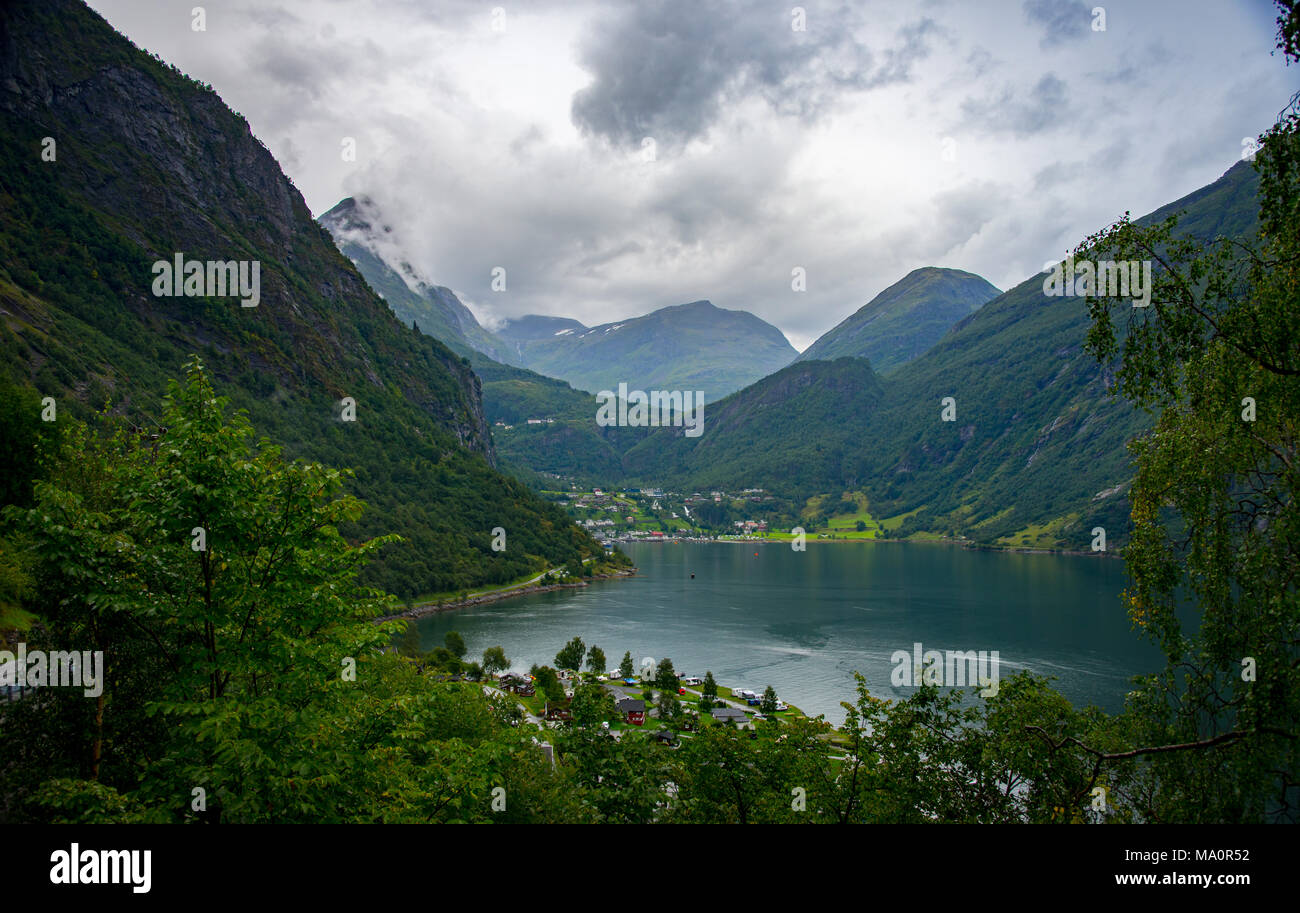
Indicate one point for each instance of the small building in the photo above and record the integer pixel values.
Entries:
(558, 711)
(730, 715)
(665, 737)
(633, 710)
(517, 682)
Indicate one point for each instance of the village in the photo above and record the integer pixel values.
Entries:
(653, 514)
(636, 703)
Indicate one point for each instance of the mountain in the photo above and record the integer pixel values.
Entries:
(532, 327)
(1037, 454)
(695, 346)
(905, 319)
(790, 432)
(112, 162)
(435, 309)
(541, 425)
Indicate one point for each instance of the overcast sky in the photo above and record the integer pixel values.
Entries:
(985, 136)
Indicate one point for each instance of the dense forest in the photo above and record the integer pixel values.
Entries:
(247, 680)
(149, 164)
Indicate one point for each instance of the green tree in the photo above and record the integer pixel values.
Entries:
(625, 780)
(596, 660)
(592, 705)
(625, 667)
(456, 644)
(242, 652)
(1214, 507)
(724, 776)
(494, 660)
(710, 687)
(768, 706)
(409, 645)
(571, 654)
(666, 678)
(22, 434)
(548, 682)
(443, 659)
(669, 707)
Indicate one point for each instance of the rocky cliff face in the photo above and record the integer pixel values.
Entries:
(162, 161)
(111, 161)
(435, 309)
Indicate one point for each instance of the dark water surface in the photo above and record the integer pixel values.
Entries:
(803, 622)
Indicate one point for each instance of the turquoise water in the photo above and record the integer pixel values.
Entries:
(803, 622)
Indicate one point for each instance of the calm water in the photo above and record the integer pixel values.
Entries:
(803, 622)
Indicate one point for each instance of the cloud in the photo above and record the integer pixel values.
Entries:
(1022, 111)
(1060, 20)
(823, 149)
(669, 69)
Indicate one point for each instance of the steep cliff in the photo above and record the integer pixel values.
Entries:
(112, 162)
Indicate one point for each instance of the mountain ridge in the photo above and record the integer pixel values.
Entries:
(906, 319)
(149, 164)
(691, 346)
(1036, 455)
(415, 301)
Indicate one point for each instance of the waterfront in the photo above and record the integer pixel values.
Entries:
(805, 621)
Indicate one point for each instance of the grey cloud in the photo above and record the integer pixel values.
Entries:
(963, 213)
(1060, 20)
(532, 137)
(1107, 160)
(667, 69)
(591, 264)
(1111, 158)
(980, 61)
(1053, 175)
(1024, 113)
(1153, 110)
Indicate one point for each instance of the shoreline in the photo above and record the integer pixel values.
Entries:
(434, 608)
(970, 546)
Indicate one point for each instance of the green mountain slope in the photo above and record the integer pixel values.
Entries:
(532, 327)
(433, 308)
(790, 432)
(540, 425)
(1036, 455)
(150, 164)
(543, 426)
(904, 320)
(695, 346)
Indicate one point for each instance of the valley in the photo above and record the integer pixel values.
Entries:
(396, 401)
